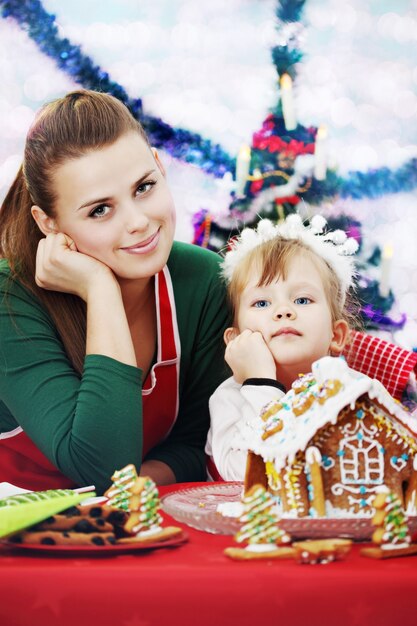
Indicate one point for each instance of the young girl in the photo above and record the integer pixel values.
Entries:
(110, 333)
(288, 286)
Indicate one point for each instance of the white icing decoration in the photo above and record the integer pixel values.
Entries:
(147, 533)
(261, 547)
(399, 464)
(411, 507)
(382, 489)
(361, 445)
(313, 455)
(230, 509)
(394, 546)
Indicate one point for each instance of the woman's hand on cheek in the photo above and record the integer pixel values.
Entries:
(60, 267)
(248, 356)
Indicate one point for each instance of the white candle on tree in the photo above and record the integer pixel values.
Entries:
(320, 154)
(287, 101)
(242, 169)
(386, 261)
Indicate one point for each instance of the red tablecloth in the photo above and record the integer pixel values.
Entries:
(195, 584)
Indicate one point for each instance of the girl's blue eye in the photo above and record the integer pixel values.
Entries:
(100, 211)
(302, 300)
(261, 304)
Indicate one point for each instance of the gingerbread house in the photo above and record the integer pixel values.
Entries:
(330, 442)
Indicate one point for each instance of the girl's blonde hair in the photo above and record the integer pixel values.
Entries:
(67, 128)
(272, 259)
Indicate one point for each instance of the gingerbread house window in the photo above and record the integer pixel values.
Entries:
(361, 461)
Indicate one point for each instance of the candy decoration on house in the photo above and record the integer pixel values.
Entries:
(260, 529)
(391, 536)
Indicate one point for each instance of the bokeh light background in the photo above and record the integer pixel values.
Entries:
(207, 67)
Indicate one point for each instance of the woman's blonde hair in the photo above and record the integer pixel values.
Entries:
(67, 128)
(272, 259)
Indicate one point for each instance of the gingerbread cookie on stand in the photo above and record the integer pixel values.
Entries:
(391, 535)
(260, 529)
(138, 495)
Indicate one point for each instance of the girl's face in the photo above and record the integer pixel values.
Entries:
(293, 316)
(115, 204)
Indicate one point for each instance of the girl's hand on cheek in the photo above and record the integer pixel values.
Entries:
(60, 267)
(248, 356)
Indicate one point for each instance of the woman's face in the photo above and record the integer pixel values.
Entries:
(114, 202)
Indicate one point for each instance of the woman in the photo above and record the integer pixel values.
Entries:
(110, 332)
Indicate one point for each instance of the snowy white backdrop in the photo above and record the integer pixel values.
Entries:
(207, 67)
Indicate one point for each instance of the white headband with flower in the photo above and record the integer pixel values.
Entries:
(333, 246)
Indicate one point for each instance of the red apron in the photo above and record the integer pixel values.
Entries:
(160, 398)
(24, 465)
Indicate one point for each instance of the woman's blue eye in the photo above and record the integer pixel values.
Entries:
(100, 211)
(146, 186)
(302, 300)
(261, 304)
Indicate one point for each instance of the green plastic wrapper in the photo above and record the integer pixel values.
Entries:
(21, 511)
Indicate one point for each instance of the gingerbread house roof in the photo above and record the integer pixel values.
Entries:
(316, 400)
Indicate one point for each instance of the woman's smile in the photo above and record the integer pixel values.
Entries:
(145, 246)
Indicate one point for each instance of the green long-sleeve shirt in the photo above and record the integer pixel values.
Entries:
(90, 426)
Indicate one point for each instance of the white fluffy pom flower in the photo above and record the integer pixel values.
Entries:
(332, 246)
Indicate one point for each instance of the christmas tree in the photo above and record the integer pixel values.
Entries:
(285, 171)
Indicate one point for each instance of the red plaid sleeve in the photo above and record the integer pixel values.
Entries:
(380, 359)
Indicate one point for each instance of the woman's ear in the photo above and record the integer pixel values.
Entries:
(340, 337)
(229, 334)
(45, 223)
(158, 161)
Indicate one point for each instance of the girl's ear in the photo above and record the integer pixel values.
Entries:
(229, 334)
(158, 161)
(340, 337)
(45, 223)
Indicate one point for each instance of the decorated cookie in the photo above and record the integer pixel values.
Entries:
(391, 534)
(65, 538)
(321, 550)
(139, 497)
(260, 529)
(77, 524)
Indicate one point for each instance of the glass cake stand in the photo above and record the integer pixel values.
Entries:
(197, 507)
